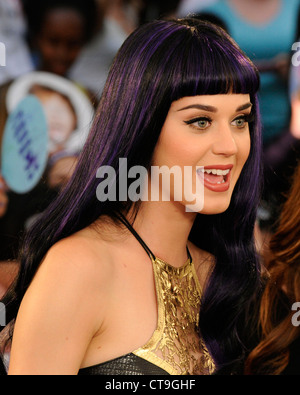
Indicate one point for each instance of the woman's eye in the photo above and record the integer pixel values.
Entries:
(199, 123)
(240, 122)
(203, 123)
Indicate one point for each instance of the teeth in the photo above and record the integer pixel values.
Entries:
(217, 172)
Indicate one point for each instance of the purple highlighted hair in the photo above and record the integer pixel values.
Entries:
(159, 63)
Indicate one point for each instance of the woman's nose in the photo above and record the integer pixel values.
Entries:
(225, 143)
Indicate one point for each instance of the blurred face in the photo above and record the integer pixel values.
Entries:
(210, 132)
(60, 173)
(60, 40)
(61, 118)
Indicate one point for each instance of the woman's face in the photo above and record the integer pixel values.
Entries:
(211, 133)
(61, 118)
(60, 40)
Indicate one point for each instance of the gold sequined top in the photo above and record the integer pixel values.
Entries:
(175, 346)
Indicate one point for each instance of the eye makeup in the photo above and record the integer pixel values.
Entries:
(202, 122)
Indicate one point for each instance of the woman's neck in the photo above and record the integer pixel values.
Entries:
(165, 228)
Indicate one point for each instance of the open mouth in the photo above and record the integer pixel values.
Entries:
(216, 178)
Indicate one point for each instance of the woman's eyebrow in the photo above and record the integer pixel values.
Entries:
(244, 106)
(213, 109)
(200, 107)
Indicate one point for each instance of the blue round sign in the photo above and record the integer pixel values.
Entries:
(25, 146)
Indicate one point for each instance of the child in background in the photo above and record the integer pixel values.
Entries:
(58, 30)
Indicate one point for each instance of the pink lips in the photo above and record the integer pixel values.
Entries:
(216, 183)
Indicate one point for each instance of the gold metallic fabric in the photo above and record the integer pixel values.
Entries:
(176, 346)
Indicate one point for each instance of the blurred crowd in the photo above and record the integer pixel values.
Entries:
(76, 40)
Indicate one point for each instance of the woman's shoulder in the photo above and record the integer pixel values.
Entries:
(84, 252)
(83, 261)
(66, 304)
(77, 270)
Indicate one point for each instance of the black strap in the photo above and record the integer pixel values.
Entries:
(136, 235)
(125, 221)
(189, 254)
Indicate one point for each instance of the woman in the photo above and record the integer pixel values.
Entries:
(179, 93)
(278, 352)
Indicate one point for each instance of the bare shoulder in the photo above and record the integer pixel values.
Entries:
(203, 261)
(64, 307)
(83, 257)
(77, 268)
(83, 246)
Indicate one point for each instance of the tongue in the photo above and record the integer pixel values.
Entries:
(213, 178)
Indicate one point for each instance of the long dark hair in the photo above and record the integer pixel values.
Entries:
(159, 63)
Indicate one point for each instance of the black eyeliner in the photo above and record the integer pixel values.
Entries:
(198, 119)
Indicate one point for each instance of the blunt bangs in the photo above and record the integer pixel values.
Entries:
(164, 61)
(207, 64)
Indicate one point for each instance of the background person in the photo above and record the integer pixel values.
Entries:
(69, 113)
(278, 352)
(58, 30)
